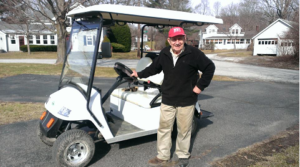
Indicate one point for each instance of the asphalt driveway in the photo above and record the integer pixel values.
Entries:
(245, 112)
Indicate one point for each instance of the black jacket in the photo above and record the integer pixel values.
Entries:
(179, 81)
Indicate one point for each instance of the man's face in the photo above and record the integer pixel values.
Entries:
(177, 43)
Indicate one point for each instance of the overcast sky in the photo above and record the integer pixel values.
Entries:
(211, 2)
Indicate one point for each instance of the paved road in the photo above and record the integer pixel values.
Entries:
(245, 113)
(223, 68)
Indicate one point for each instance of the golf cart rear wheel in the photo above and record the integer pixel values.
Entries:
(48, 141)
(73, 148)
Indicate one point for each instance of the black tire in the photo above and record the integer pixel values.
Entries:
(194, 127)
(73, 148)
(48, 141)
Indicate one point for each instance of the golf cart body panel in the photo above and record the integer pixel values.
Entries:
(70, 105)
(77, 106)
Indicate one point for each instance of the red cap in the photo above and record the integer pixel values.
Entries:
(175, 31)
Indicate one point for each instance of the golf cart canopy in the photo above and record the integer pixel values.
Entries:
(145, 15)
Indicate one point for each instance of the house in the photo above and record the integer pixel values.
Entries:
(224, 37)
(12, 36)
(273, 41)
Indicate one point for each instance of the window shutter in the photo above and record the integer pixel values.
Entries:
(84, 39)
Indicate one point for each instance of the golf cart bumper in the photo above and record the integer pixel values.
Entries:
(49, 124)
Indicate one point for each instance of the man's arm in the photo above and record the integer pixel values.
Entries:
(153, 69)
(207, 67)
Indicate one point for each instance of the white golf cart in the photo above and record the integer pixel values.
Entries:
(75, 118)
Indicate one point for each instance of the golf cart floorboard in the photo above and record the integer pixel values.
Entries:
(120, 127)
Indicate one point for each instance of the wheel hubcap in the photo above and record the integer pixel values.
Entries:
(77, 153)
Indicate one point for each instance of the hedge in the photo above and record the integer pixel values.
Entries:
(117, 47)
(39, 48)
(121, 35)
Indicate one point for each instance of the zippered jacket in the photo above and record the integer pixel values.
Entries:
(180, 80)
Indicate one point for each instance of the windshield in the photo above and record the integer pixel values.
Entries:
(78, 65)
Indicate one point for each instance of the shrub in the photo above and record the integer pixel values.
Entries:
(106, 39)
(167, 43)
(121, 35)
(39, 48)
(118, 47)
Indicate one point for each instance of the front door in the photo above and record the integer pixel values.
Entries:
(21, 40)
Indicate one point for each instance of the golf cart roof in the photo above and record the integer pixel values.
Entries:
(145, 15)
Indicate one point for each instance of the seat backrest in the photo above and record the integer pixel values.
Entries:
(142, 64)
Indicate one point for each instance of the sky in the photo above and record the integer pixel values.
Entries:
(211, 2)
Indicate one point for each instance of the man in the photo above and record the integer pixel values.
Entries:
(180, 89)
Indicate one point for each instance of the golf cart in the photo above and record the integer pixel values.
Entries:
(75, 117)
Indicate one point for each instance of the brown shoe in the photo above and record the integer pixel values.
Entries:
(157, 162)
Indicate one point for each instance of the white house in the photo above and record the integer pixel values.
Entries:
(12, 36)
(225, 37)
(272, 39)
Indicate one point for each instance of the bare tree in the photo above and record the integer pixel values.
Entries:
(230, 14)
(284, 9)
(250, 14)
(203, 8)
(217, 8)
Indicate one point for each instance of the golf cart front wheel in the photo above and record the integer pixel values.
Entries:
(73, 148)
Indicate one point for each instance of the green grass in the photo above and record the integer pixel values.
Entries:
(11, 112)
(12, 69)
(116, 55)
(288, 158)
(24, 55)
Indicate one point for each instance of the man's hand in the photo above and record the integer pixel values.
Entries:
(197, 90)
(134, 74)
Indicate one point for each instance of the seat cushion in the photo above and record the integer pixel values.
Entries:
(142, 64)
(140, 97)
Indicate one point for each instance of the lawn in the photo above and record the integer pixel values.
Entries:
(115, 55)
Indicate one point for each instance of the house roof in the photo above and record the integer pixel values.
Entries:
(21, 28)
(286, 22)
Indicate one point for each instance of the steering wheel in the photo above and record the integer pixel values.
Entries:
(124, 72)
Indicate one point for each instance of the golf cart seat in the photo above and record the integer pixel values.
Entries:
(143, 97)
(145, 62)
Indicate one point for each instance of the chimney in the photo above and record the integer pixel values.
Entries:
(257, 28)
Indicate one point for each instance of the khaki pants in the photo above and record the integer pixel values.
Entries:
(184, 117)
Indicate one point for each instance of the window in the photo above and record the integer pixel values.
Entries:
(30, 38)
(209, 31)
(213, 30)
(220, 41)
(236, 31)
(242, 41)
(216, 41)
(273, 42)
(38, 39)
(52, 39)
(13, 40)
(207, 41)
(233, 31)
(89, 40)
(45, 39)
(269, 42)
(229, 41)
(248, 41)
(259, 42)
(237, 41)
